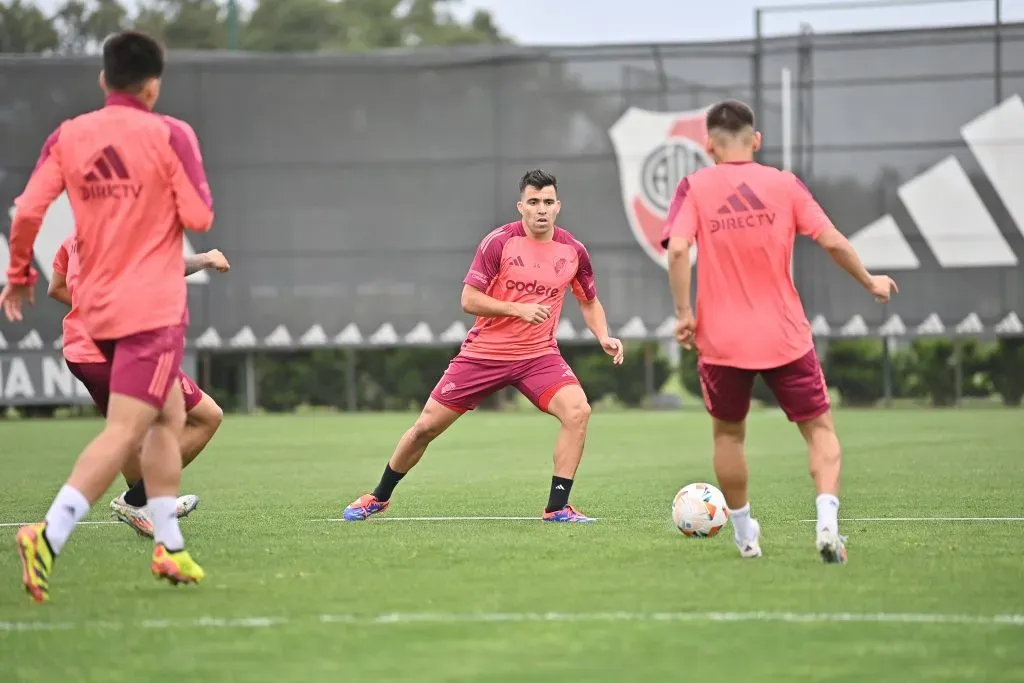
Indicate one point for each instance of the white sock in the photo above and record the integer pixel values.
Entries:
(828, 512)
(164, 513)
(67, 510)
(741, 523)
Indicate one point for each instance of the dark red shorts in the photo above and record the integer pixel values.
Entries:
(144, 366)
(468, 381)
(799, 387)
(96, 378)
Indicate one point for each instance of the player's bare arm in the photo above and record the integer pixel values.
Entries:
(58, 288)
(44, 186)
(476, 302)
(881, 287)
(679, 282)
(210, 260)
(597, 322)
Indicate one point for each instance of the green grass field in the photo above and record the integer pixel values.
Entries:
(290, 597)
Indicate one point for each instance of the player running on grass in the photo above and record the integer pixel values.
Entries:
(135, 183)
(516, 287)
(203, 415)
(743, 217)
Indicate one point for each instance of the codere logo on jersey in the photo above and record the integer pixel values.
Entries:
(533, 287)
(655, 151)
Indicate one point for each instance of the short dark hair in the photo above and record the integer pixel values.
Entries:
(538, 178)
(130, 58)
(730, 116)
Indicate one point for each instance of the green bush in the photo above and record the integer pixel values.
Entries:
(1006, 370)
(932, 370)
(690, 379)
(854, 368)
(400, 379)
(627, 382)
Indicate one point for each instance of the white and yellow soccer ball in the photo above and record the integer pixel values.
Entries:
(699, 510)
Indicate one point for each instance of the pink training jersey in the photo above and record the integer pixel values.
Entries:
(78, 347)
(135, 181)
(744, 217)
(513, 267)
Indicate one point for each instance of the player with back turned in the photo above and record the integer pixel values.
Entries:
(135, 181)
(516, 286)
(744, 217)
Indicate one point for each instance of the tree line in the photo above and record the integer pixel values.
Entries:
(79, 26)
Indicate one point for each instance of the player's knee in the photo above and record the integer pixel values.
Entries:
(173, 419)
(424, 431)
(207, 415)
(577, 415)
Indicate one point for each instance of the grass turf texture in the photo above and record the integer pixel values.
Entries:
(265, 479)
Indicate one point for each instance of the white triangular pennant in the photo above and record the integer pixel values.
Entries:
(931, 325)
(854, 327)
(244, 339)
(209, 340)
(1011, 324)
(633, 329)
(420, 334)
(349, 336)
(31, 341)
(314, 336)
(970, 325)
(385, 334)
(455, 333)
(667, 329)
(820, 326)
(893, 327)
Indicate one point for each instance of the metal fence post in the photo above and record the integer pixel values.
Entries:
(250, 383)
(998, 40)
(351, 395)
(756, 77)
(886, 372)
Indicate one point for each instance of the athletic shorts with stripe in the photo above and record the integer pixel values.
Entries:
(468, 381)
(145, 365)
(799, 387)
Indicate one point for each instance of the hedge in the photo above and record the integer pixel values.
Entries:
(924, 369)
(401, 379)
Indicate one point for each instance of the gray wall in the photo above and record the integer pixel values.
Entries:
(353, 189)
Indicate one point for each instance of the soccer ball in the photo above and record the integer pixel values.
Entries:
(699, 510)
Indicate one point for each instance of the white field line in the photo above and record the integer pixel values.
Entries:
(440, 618)
(926, 519)
(537, 519)
(442, 519)
(20, 524)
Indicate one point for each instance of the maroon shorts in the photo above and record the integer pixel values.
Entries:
(96, 378)
(468, 381)
(145, 365)
(799, 387)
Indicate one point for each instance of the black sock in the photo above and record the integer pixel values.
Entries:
(388, 481)
(559, 497)
(136, 495)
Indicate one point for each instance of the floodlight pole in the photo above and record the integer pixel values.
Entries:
(232, 24)
(998, 76)
(756, 61)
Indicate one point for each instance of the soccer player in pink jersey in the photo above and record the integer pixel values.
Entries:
(203, 415)
(743, 218)
(516, 287)
(135, 183)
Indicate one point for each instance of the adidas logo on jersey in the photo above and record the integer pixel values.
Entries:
(57, 227)
(108, 166)
(742, 209)
(947, 210)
